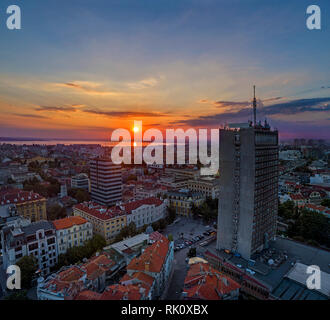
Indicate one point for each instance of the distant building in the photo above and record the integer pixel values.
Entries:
(249, 189)
(205, 283)
(208, 186)
(80, 181)
(290, 155)
(106, 181)
(24, 239)
(72, 232)
(28, 204)
(63, 191)
(183, 173)
(183, 200)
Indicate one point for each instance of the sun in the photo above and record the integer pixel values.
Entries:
(134, 144)
(136, 129)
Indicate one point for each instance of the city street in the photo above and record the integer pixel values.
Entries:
(190, 228)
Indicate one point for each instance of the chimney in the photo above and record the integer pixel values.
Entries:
(146, 266)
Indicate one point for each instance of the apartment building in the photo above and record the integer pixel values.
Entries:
(183, 200)
(145, 211)
(21, 239)
(106, 181)
(28, 204)
(106, 222)
(80, 181)
(72, 232)
(157, 262)
(208, 186)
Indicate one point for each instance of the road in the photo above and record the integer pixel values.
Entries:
(190, 228)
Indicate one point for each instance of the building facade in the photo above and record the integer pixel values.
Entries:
(80, 181)
(145, 211)
(249, 189)
(37, 239)
(72, 232)
(28, 204)
(106, 181)
(106, 222)
(183, 200)
(156, 261)
(208, 186)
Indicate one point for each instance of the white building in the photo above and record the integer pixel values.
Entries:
(72, 232)
(22, 238)
(80, 181)
(290, 155)
(145, 211)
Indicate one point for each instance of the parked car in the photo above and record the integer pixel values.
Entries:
(250, 271)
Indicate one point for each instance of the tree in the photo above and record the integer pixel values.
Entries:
(287, 210)
(80, 195)
(194, 211)
(77, 254)
(311, 225)
(55, 212)
(28, 266)
(325, 203)
(192, 253)
(171, 214)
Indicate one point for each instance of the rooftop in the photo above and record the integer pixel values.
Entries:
(68, 222)
(206, 283)
(153, 258)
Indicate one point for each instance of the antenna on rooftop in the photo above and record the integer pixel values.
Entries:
(254, 106)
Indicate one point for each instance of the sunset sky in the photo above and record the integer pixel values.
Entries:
(79, 69)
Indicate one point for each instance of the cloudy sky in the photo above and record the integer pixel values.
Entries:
(79, 69)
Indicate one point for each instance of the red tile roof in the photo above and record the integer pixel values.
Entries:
(16, 196)
(121, 292)
(99, 211)
(296, 196)
(140, 276)
(97, 265)
(88, 295)
(68, 222)
(153, 258)
(136, 204)
(206, 283)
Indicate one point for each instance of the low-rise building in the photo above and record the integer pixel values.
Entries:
(205, 283)
(320, 209)
(68, 282)
(157, 262)
(72, 232)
